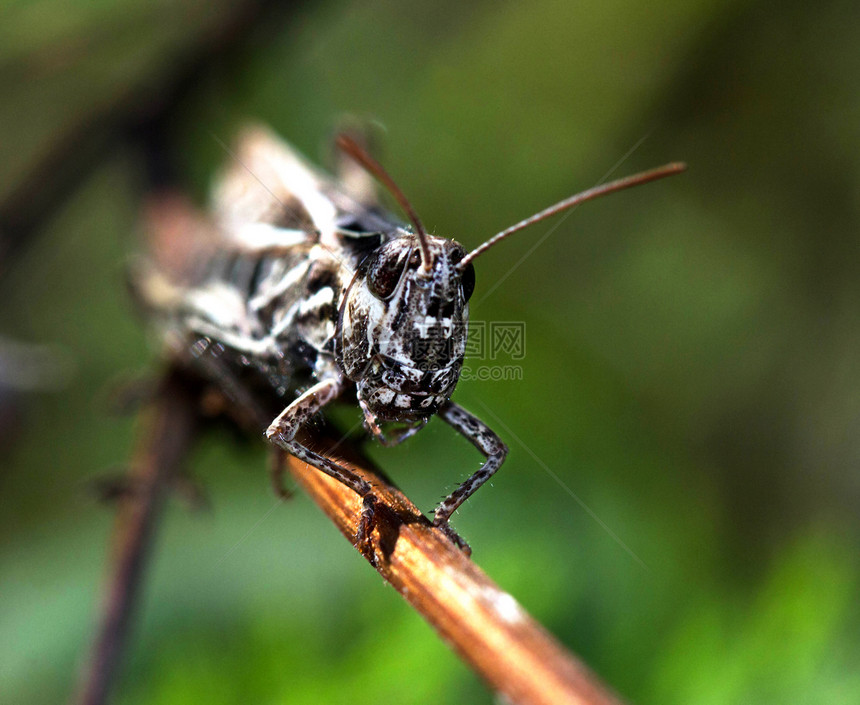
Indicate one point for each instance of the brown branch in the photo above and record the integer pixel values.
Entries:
(170, 433)
(482, 623)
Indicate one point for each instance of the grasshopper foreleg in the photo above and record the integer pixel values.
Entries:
(282, 432)
(486, 441)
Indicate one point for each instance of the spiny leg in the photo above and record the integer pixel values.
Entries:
(282, 432)
(486, 441)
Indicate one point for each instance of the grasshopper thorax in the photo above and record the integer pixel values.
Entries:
(401, 333)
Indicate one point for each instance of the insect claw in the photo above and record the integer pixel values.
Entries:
(455, 538)
(364, 534)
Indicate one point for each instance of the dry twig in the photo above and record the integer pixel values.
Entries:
(482, 623)
(170, 434)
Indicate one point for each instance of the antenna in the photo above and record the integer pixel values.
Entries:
(349, 146)
(592, 193)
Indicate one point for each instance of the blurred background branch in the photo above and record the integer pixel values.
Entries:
(171, 426)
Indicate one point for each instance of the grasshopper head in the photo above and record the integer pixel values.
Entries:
(402, 326)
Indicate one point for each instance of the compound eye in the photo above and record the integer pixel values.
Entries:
(467, 279)
(385, 273)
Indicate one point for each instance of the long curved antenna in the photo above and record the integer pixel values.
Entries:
(349, 146)
(595, 192)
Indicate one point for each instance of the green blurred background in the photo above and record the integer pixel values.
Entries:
(691, 373)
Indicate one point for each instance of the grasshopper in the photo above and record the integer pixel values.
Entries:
(310, 291)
